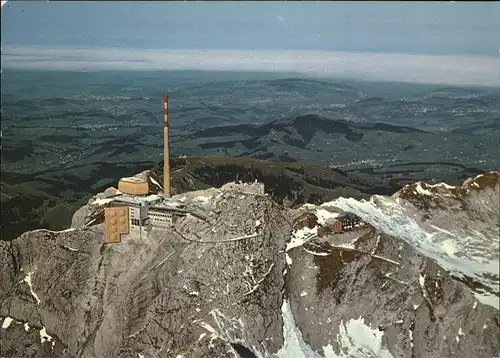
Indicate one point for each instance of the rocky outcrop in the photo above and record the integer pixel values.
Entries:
(190, 291)
(464, 220)
(379, 293)
(155, 185)
(244, 276)
(92, 212)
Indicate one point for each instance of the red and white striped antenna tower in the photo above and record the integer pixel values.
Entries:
(166, 155)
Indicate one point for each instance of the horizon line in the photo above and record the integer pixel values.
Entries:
(469, 70)
(262, 50)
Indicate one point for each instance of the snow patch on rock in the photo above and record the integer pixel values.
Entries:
(444, 185)
(102, 201)
(27, 279)
(6, 322)
(357, 340)
(44, 337)
(299, 237)
(323, 215)
(459, 257)
(421, 190)
(202, 199)
(229, 330)
(293, 345)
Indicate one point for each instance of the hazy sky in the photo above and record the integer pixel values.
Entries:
(437, 42)
(470, 28)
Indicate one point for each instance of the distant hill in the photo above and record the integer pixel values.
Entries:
(333, 142)
(297, 182)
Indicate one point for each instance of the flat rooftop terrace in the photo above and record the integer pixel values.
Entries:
(137, 199)
(153, 201)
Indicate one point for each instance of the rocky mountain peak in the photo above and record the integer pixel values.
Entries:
(238, 272)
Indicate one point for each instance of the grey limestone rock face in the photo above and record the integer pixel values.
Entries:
(81, 216)
(240, 271)
(162, 296)
(418, 309)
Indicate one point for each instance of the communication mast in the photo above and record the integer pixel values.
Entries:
(166, 155)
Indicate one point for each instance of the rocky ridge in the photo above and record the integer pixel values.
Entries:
(247, 277)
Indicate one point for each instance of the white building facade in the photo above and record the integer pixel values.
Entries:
(161, 219)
